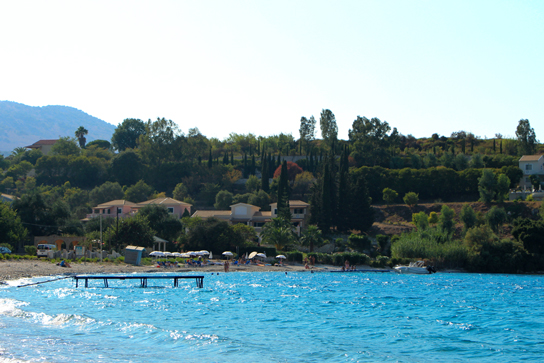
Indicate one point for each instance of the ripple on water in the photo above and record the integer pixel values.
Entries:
(271, 317)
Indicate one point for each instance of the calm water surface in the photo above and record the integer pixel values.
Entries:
(273, 317)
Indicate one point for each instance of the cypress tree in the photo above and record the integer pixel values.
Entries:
(210, 160)
(245, 166)
(226, 158)
(324, 222)
(232, 157)
(284, 210)
(361, 214)
(494, 147)
(265, 175)
(315, 203)
(271, 165)
(252, 169)
(343, 189)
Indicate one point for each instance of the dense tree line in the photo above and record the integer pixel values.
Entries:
(339, 178)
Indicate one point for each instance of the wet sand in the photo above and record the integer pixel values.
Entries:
(13, 270)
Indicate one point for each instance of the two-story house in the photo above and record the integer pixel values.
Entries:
(531, 165)
(124, 208)
(113, 209)
(174, 207)
(252, 215)
(43, 145)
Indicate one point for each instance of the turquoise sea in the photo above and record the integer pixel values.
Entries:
(274, 317)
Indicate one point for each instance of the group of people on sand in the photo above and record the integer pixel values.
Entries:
(309, 261)
(347, 267)
(168, 264)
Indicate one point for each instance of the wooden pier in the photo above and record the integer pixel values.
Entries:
(143, 279)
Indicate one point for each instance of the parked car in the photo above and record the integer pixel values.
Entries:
(4, 250)
(43, 249)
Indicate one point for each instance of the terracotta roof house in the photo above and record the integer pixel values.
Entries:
(299, 214)
(43, 145)
(531, 165)
(115, 208)
(253, 216)
(175, 207)
(124, 208)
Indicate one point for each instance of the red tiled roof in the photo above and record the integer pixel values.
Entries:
(116, 202)
(164, 201)
(42, 143)
(530, 158)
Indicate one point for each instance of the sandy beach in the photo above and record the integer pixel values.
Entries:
(12, 270)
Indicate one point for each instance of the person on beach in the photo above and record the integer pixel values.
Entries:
(64, 264)
(346, 265)
(226, 265)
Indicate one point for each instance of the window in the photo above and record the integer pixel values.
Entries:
(109, 211)
(170, 210)
(298, 211)
(275, 211)
(119, 210)
(97, 211)
(528, 166)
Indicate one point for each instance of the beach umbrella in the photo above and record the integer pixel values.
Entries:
(281, 256)
(204, 252)
(185, 255)
(168, 254)
(252, 255)
(261, 255)
(157, 254)
(227, 253)
(211, 255)
(176, 254)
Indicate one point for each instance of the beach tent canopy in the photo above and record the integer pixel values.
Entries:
(158, 241)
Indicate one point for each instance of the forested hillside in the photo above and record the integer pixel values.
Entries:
(341, 180)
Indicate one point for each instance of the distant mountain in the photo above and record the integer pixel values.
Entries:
(22, 125)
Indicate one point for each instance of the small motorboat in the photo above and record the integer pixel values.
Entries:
(417, 267)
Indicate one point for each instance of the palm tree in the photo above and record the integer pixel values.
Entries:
(18, 151)
(312, 237)
(80, 134)
(278, 232)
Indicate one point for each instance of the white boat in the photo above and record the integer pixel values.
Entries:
(417, 267)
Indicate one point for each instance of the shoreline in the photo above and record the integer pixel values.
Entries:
(14, 270)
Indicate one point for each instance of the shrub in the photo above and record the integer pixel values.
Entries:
(294, 256)
(360, 242)
(411, 199)
(31, 250)
(380, 261)
(325, 258)
(353, 259)
(383, 240)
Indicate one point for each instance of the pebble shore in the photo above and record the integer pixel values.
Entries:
(14, 270)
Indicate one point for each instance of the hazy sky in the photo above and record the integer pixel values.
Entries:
(258, 66)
